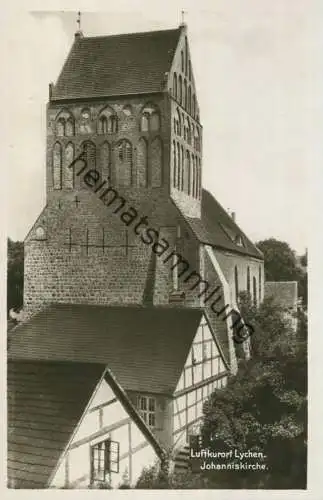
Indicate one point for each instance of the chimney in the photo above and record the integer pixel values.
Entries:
(233, 216)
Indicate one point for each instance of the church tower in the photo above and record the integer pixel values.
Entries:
(126, 220)
(128, 105)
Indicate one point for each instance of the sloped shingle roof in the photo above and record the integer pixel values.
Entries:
(144, 347)
(45, 403)
(105, 66)
(210, 229)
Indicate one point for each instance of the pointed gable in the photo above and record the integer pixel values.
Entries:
(181, 82)
(204, 360)
(102, 66)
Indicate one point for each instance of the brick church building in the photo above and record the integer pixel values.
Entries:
(131, 267)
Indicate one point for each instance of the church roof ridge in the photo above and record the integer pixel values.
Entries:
(130, 33)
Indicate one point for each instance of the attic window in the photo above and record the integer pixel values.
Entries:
(236, 238)
(147, 409)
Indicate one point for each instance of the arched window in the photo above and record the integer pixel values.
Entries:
(180, 90)
(112, 124)
(193, 105)
(156, 162)
(154, 122)
(103, 125)
(248, 279)
(105, 160)
(197, 179)
(185, 94)
(57, 166)
(175, 86)
(182, 61)
(188, 172)
(68, 177)
(199, 185)
(197, 140)
(90, 154)
(150, 118)
(259, 283)
(124, 163)
(174, 165)
(179, 121)
(193, 176)
(189, 100)
(236, 283)
(188, 131)
(254, 282)
(192, 183)
(60, 127)
(65, 124)
(85, 122)
(70, 127)
(144, 122)
(179, 167)
(186, 56)
(142, 162)
(107, 121)
(182, 168)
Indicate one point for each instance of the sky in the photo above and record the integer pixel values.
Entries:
(252, 66)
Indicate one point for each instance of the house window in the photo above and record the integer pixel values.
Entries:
(104, 459)
(147, 409)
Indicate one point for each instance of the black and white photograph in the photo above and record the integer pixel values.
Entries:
(157, 246)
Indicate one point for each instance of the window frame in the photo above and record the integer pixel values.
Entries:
(146, 413)
(108, 464)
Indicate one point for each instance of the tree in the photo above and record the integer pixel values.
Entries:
(15, 276)
(281, 265)
(280, 260)
(262, 409)
(264, 406)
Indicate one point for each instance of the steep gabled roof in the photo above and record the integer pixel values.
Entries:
(45, 403)
(217, 228)
(144, 347)
(103, 66)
